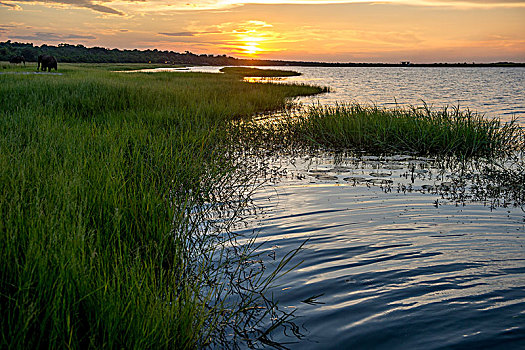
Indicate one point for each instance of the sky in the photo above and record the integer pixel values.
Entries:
(421, 31)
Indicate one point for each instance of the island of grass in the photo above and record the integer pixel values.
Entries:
(99, 173)
(257, 72)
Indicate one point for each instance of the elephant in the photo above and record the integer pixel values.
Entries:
(47, 62)
(17, 59)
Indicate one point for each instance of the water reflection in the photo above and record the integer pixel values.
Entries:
(199, 69)
(393, 265)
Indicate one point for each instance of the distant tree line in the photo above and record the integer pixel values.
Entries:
(81, 54)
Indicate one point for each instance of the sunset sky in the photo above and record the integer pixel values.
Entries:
(314, 30)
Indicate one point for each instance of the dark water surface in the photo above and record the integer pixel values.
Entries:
(392, 262)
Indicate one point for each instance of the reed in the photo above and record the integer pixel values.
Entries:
(419, 131)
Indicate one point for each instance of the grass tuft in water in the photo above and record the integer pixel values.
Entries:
(370, 129)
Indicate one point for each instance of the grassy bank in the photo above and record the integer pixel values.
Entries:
(97, 172)
(257, 72)
(419, 131)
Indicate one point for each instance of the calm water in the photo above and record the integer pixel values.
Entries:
(392, 263)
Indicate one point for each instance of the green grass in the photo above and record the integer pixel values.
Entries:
(97, 171)
(371, 129)
(19, 67)
(256, 72)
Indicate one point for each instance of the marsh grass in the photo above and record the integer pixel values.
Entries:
(370, 129)
(98, 171)
(257, 72)
(12, 67)
(421, 131)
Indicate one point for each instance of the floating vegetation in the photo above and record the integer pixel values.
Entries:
(496, 182)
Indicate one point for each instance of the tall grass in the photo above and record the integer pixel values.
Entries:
(97, 172)
(420, 131)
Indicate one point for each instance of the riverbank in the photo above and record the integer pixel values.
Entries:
(80, 53)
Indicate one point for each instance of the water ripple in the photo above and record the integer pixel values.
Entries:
(383, 269)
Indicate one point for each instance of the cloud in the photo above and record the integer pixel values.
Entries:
(11, 5)
(221, 4)
(49, 36)
(179, 34)
(161, 6)
(90, 4)
(75, 36)
(103, 9)
(4, 28)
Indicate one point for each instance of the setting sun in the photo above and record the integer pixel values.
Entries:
(250, 45)
(251, 49)
(384, 31)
